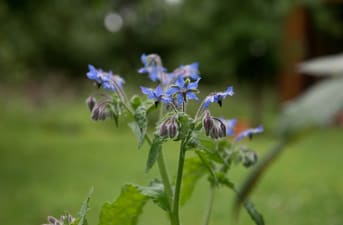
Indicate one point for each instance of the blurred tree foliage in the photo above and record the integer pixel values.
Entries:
(226, 37)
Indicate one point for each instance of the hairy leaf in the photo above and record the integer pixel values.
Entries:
(155, 149)
(135, 101)
(156, 192)
(194, 169)
(139, 126)
(84, 209)
(126, 209)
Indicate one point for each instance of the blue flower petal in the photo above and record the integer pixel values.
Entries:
(191, 95)
(193, 85)
(172, 90)
(148, 92)
(180, 82)
(249, 132)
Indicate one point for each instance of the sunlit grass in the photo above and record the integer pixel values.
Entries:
(51, 156)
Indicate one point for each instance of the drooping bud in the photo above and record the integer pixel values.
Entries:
(248, 157)
(169, 128)
(100, 112)
(164, 129)
(90, 101)
(221, 126)
(208, 122)
(172, 128)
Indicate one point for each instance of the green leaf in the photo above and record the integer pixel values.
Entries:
(139, 126)
(185, 123)
(194, 169)
(135, 101)
(126, 209)
(84, 209)
(254, 214)
(155, 149)
(156, 192)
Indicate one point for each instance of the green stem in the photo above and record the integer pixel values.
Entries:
(165, 179)
(209, 206)
(176, 200)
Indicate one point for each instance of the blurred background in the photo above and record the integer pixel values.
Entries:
(51, 153)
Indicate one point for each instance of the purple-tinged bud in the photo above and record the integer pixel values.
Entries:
(164, 129)
(100, 112)
(172, 128)
(91, 101)
(208, 122)
(214, 132)
(52, 220)
(221, 127)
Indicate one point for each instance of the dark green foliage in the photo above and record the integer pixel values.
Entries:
(156, 192)
(126, 209)
(155, 149)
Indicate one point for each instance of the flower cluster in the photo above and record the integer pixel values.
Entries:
(174, 89)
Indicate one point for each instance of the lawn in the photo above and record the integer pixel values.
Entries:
(52, 154)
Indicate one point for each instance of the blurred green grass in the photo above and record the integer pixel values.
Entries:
(52, 154)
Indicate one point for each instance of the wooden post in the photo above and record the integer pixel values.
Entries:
(293, 51)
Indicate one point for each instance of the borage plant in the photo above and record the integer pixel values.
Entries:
(205, 135)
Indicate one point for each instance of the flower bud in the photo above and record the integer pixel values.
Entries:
(169, 128)
(214, 133)
(208, 122)
(172, 128)
(164, 129)
(248, 157)
(90, 102)
(100, 112)
(214, 127)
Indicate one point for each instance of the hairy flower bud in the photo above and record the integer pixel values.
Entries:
(172, 128)
(91, 101)
(208, 122)
(100, 112)
(169, 128)
(164, 129)
(248, 157)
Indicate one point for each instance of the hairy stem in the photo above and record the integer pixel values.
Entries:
(209, 206)
(176, 199)
(165, 177)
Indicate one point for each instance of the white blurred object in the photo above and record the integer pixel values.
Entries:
(323, 66)
(113, 22)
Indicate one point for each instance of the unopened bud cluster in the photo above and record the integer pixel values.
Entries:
(214, 127)
(169, 128)
(99, 110)
(67, 219)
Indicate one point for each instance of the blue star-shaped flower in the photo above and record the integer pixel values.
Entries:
(152, 66)
(249, 133)
(156, 95)
(230, 125)
(218, 97)
(185, 71)
(106, 79)
(183, 90)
